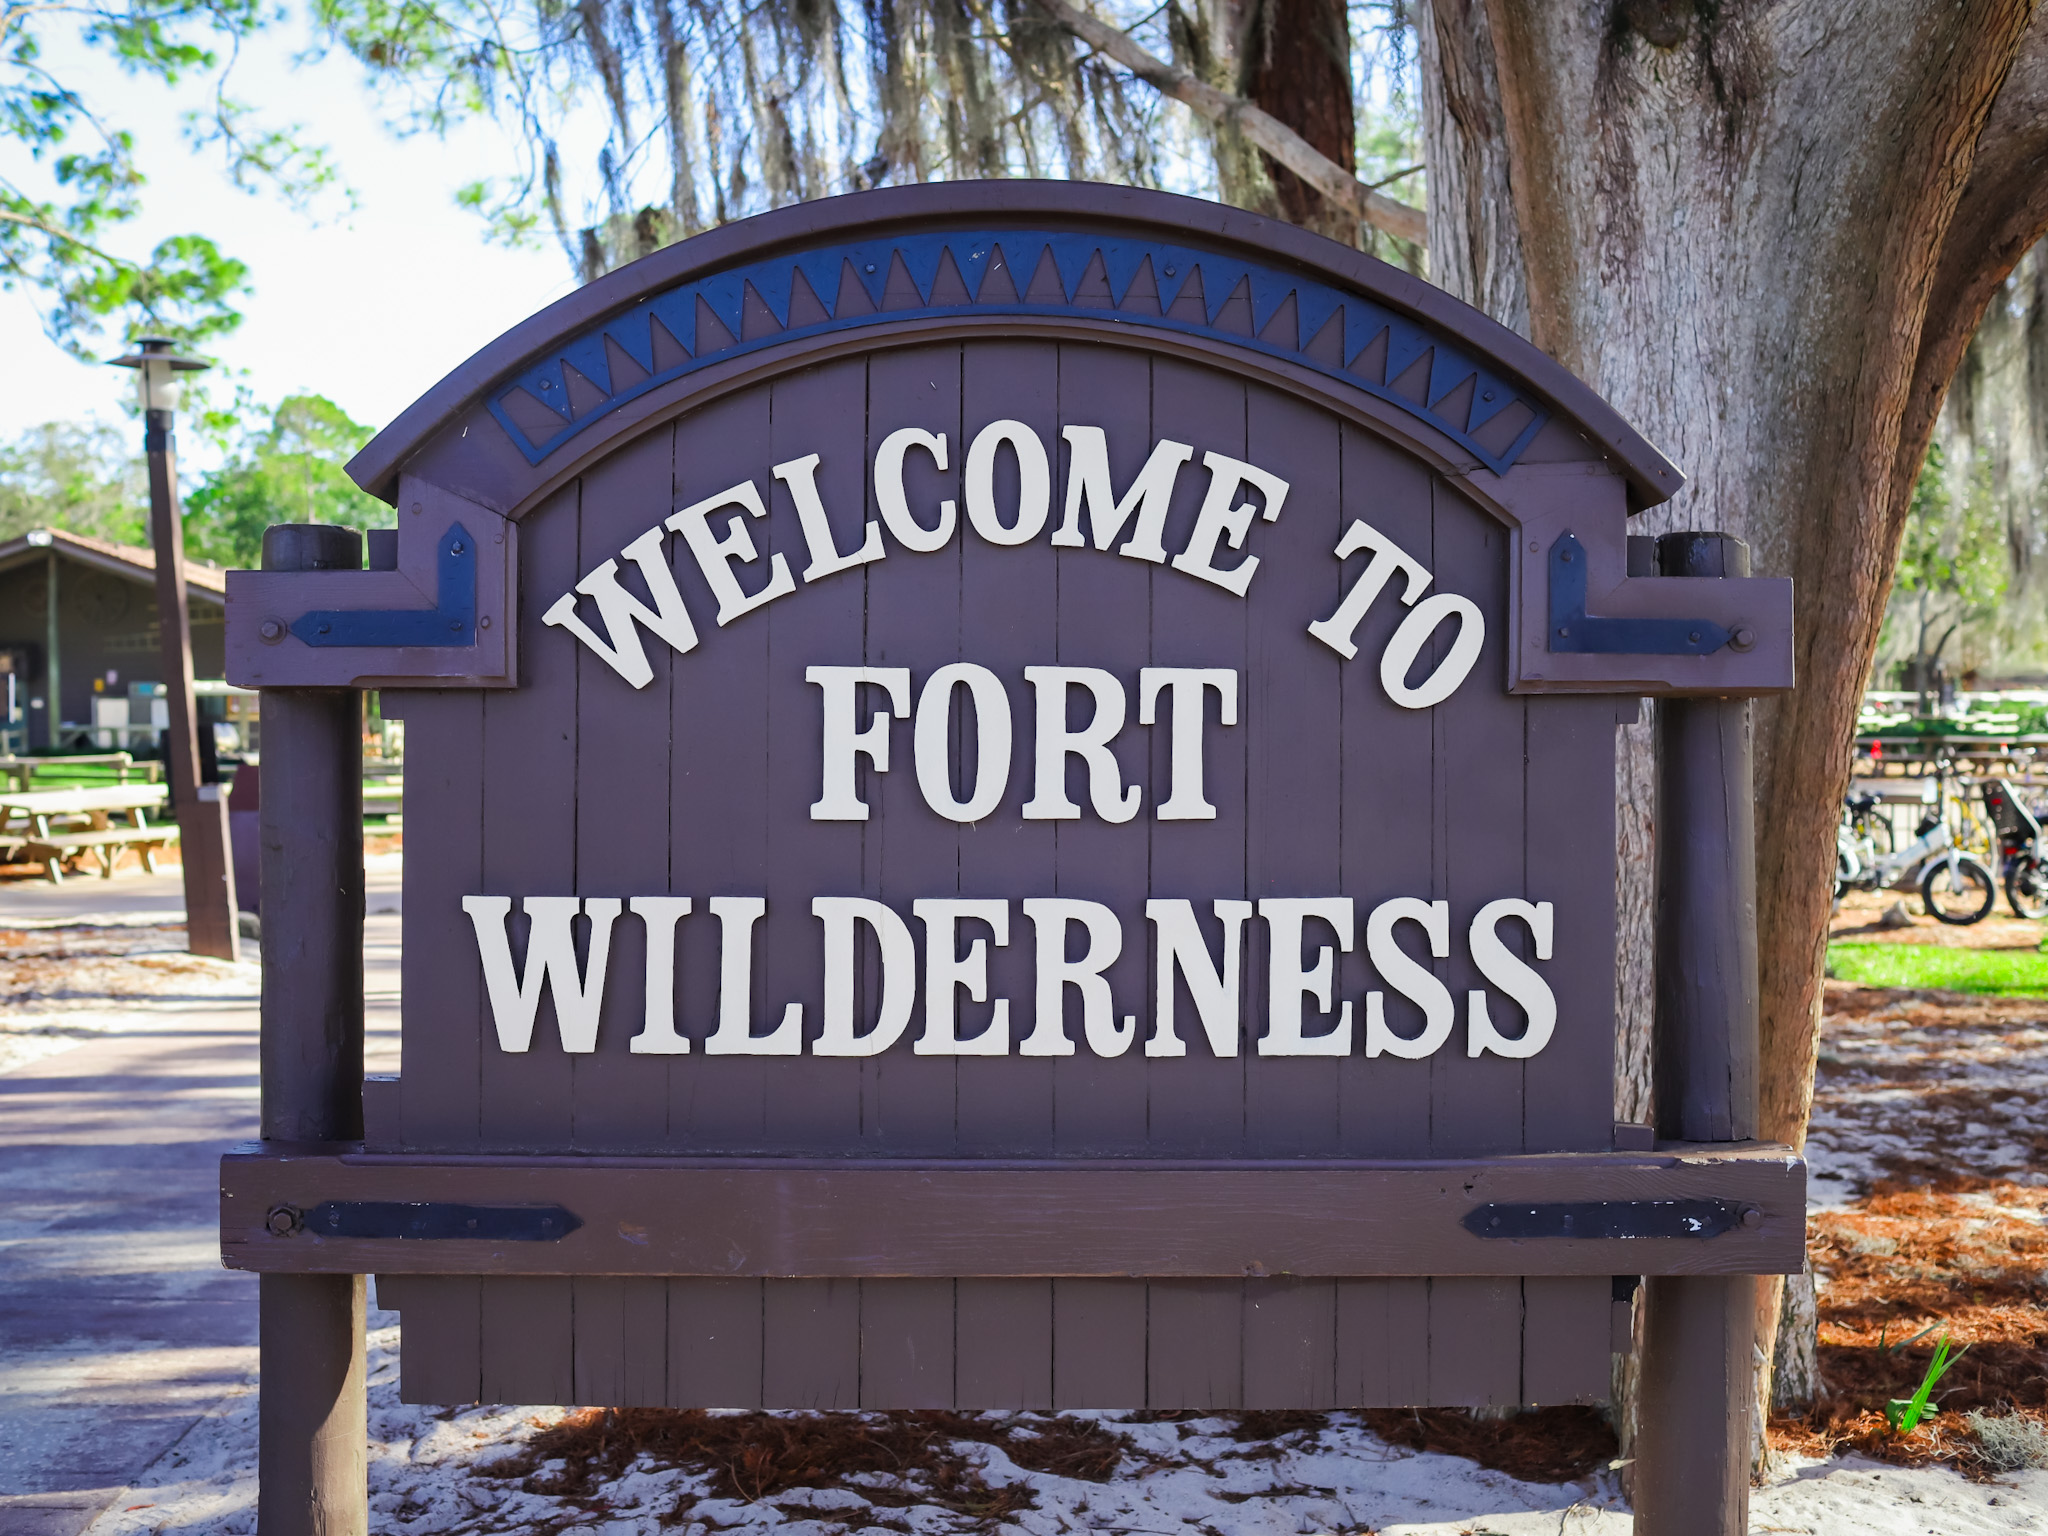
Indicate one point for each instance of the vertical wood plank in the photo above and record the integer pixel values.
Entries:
(1567, 1354)
(1571, 823)
(906, 1343)
(1011, 616)
(1481, 751)
(1382, 1342)
(440, 1337)
(719, 787)
(714, 1343)
(1384, 1100)
(1004, 1336)
(621, 1340)
(528, 1340)
(1290, 1343)
(622, 809)
(1104, 621)
(1294, 748)
(1475, 1341)
(1196, 1102)
(1098, 1331)
(812, 1103)
(441, 1005)
(529, 816)
(913, 620)
(1195, 1344)
(810, 1344)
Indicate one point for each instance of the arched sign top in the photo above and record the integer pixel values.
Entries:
(817, 276)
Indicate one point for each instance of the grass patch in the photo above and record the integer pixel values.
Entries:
(1993, 972)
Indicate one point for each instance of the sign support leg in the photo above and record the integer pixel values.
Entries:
(313, 1419)
(1693, 1446)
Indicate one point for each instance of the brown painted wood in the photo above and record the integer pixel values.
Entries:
(1005, 1343)
(1475, 1330)
(714, 1343)
(906, 1344)
(1098, 1343)
(1290, 1343)
(528, 1335)
(440, 1345)
(1567, 1324)
(1382, 1355)
(1195, 1344)
(721, 1217)
(810, 1344)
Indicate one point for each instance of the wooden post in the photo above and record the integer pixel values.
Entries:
(1693, 1446)
(312, 1457)
(202, 812)
(53, 672)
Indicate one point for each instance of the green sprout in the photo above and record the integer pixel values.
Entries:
(1904, 1413)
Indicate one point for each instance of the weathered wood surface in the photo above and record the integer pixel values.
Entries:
(810, 1217)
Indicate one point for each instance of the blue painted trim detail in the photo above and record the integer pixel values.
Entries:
(1572, 630)
(451, 623)
(948, 273)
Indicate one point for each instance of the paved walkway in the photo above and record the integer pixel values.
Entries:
(118, 1327)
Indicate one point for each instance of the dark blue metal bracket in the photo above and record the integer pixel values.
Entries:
(1571, 629)
(435, 1221)
(451, 623)
(1611, 1219)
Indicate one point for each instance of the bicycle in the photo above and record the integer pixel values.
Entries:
(2019, 849)
(1955, 887)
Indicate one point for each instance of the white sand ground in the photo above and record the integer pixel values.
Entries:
(1193, 1479)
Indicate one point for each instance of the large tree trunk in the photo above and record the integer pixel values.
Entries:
(1294, 60)
(1765, 232)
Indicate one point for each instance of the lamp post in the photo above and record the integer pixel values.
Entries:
(201, 810)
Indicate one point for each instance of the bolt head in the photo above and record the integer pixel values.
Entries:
(271, 630)
(283, 1220)
(1743, 639)
(1752, 1216)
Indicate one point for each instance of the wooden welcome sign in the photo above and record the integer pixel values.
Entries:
(1009, 803)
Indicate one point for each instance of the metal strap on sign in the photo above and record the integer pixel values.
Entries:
(1573, 629)
(1612, 1219)
(430, 1220)
(452, 622)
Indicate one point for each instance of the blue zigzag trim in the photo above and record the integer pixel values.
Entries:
(949, 273)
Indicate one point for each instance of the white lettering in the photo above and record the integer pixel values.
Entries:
(1388, 558)
(801, 476)
(899, 976)
(1055, 743)
(1215, 992)
(1034, 483)
(716, 556)
(1508, 971)
(1050, 916)
(946, 969)
(1414, 634)
(1219, 519)
(930, 741)
(658, 1035)
(623, 613)
(839, 794)
(550, 962)
(1150, 495)
(735, 1035)
(1288, 983)
(894, 505)
(1411, 980)
(1187, 802)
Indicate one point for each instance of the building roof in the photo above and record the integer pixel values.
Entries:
(134, 561)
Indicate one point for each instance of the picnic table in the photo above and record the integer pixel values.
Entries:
(21, 771)
(52, 826)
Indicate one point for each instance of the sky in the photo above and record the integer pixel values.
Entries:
(369, 308)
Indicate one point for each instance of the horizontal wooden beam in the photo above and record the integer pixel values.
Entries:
(789, 1217)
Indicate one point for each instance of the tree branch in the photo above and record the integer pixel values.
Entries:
(1264, 131)
(30, 222)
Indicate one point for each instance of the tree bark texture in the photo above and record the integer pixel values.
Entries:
(1295, 62)
(1766, 233)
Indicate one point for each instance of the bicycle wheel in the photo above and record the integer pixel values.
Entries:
(2026, 886)
(1960, 894)
(1877, 827)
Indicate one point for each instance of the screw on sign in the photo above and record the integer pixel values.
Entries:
(977, 761)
